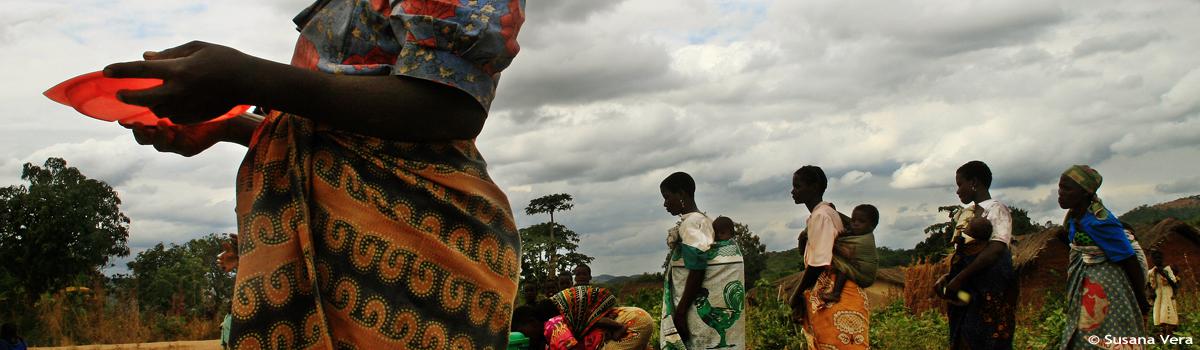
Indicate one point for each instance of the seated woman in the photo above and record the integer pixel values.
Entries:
(590, 320)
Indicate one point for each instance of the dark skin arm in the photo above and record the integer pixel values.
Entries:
(613, 330)
(1133, 272)
(807, 281)
(695, 281)
(202, 81)
(985, 260)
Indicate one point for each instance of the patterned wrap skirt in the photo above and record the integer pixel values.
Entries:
(1101, 305)
(842, 325)
(354, 242)
(987, 321)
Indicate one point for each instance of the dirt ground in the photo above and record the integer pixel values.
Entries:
(174, 345)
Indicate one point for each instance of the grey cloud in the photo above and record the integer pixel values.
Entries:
(575, 73)
(914, 222)
(1123, 42)
(1186, 185)
(550, 12)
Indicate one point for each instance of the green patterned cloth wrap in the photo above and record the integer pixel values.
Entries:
(862, 266)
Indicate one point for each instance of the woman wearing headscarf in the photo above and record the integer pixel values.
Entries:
(704, 291)
(1105, 294)
(589, 320)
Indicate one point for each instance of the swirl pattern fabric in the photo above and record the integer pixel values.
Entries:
(353, 242)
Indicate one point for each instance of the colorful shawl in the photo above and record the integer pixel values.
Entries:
(639, 327)
(582, 306)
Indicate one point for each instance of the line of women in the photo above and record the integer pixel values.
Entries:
(1106, 301)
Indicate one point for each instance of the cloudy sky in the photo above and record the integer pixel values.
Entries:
(608, 97)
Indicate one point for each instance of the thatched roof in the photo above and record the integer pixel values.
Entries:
(1027, 248)
(892, 274)
(1152, 238)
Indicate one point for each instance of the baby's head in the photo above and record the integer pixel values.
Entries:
(979, 228)
(723, 227)
(864, 219)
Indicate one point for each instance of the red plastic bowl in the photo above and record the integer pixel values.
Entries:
(96, 96)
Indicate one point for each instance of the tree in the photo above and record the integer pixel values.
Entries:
(59, 226)
(754, 252)
(167, 276)
(550, 204)
(937, 236)
(536, 239)
(1022, 224)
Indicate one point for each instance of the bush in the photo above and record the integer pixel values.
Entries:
(894, 328)
(769, 324)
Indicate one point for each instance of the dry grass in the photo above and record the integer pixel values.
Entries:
(919, 279)
(96, 317)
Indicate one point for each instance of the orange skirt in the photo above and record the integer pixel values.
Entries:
(348, 241)
(844, 325)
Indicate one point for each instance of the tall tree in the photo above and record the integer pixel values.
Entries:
(59, 226)
(187, 273)
(538, 268)
(550, 204)
(754, 252)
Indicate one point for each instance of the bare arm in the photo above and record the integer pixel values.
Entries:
(203, 80)
(1133, 271)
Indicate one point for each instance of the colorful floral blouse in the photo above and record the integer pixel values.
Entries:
(461, 43)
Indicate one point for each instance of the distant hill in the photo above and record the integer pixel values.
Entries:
(603, 278)
(1185, 209)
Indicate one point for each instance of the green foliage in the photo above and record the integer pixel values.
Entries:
(782, 264)
(536, 240)
(769, 325)
(183, 278)
(1044, 330)
(754, 252)
(889, 257)
(894, 328)
(549, 204)
(1022, 224)
(60, 226)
